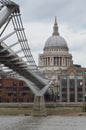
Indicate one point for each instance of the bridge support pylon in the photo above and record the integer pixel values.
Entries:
(39, 108)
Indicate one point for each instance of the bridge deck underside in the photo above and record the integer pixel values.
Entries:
(13, 61)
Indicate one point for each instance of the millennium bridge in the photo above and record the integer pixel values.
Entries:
(16, 58)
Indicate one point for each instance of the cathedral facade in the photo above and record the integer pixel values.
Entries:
(56, 63)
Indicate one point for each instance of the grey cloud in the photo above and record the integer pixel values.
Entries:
(71, 12)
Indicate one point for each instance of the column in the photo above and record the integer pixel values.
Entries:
(51, 61)
(41, 62)
(44, 61)
(57, 61)
(75, 89)
(48, 61)
(66, 61)
(62, 61)
(68, 90)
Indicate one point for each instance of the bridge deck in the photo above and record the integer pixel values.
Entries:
(11, 60)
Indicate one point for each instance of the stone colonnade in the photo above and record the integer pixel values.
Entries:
(55, 61)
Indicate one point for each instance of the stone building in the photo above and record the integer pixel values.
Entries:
(56, 62)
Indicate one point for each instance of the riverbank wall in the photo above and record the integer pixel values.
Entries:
(48, 104)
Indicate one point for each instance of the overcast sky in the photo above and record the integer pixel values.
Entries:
(38, 19)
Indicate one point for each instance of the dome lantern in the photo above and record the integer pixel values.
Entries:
(55, 28)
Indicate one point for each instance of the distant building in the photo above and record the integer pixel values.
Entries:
(13, 90)
(56, 62)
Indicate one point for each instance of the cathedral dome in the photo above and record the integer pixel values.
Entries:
(55, 41)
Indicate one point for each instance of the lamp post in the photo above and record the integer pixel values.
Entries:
(84, 102)
(56, 93)
(84, 105)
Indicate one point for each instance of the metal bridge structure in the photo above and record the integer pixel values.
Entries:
(16, 59)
